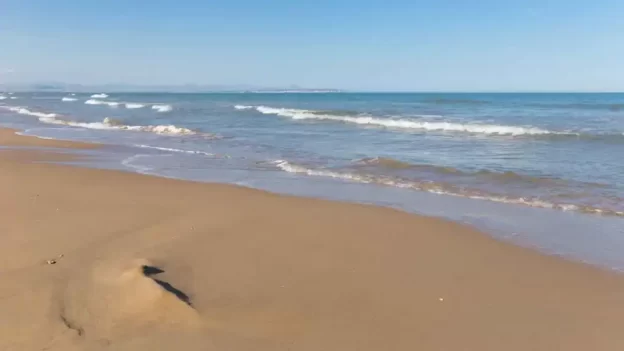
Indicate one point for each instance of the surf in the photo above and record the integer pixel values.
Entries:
(441, 189)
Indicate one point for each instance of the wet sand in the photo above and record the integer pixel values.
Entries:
(147, 263)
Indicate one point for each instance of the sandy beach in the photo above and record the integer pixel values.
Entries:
(107, 260)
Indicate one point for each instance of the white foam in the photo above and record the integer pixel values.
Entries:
(133, 105)
(25, 111)
(473, 128)
(99, 96)
(438, 189)
(243, 107)
(100, 102)
(13, 98)
(162, 108)
(193, 152)
(69, 99)
(128, 162)
(3, 97)
(106, 124)
(128, 105)
(112, 124)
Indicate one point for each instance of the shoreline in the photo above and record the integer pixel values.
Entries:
(246, 269)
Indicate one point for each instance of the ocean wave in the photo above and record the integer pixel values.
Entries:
(488, 175)
(115, 104)
(101, 102)
(490, 129)
(133, 105)
(441, 188)
(162, 108)
(69, 99)
(106, 124)
(244, 107)
(113, 124)
(385, 162)
(25, 111)
(3, 97)
(168, 149)
(99, 96)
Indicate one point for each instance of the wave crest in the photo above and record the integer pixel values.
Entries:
(133, 105)
(243, 107)
(99, 96)
(106, 124)
(412, 124)
(25, 111)
(441, 188)
(169, 149)
(100, 102)
(128, 105)
(162, 108)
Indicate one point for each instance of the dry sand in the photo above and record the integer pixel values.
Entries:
(146, 263)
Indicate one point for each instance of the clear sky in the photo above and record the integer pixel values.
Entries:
(449, 45)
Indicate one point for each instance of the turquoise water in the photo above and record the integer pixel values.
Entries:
(557, 157)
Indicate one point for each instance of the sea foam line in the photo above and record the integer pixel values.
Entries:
(99, 96)
(192, 152)
(114, 104)
(133, 105)
(162, 108)
(412, 124)
(101, 102)
(69, 99)
(107, 124)
(439, 189)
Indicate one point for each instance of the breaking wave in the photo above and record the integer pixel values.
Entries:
(69, 99)
(128, 105)
(99, 96)
(110, 123)
(3, 97)
(106, 124)
(25, 111)
(440, 188)
(423, 123)
(192, 152)
(412, 124)
(243, 107)
(133, 105)
(162, 108)
(101, 102)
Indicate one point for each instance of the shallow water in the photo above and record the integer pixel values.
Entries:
(520, 165)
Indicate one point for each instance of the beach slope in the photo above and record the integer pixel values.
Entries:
(106, 260)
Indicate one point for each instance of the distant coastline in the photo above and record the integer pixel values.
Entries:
(131, 88)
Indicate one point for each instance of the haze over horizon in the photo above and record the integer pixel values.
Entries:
(363, 46)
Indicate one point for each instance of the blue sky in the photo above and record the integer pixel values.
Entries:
(445, 45)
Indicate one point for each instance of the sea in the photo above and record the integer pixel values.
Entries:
(543, 170)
